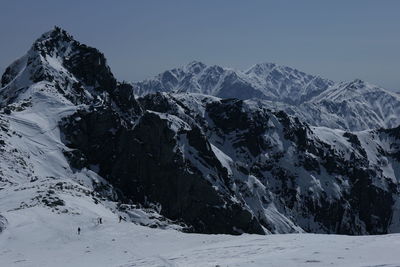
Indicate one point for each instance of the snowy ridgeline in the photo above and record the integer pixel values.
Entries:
(354, 105)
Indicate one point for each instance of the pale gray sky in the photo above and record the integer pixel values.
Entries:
(340, 40)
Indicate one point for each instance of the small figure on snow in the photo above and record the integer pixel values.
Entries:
(99, 220)
(121, 218)
(79, 230)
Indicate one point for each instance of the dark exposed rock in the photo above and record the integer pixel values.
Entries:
(3, 223)
(244, 127)
(229, 116)
(143, 164)
(84, 62)
(125, 99)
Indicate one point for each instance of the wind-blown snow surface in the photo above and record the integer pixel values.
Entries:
(27, 242)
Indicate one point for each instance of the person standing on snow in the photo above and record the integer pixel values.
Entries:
(79, 230)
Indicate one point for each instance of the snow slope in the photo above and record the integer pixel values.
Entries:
(26, 242)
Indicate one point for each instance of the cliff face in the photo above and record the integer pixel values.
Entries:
(147, 164)
(224, 166)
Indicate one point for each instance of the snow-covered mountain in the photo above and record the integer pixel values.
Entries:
(77, 144)
(354, 106)
(57, 77)
(56, 60)
(265, 81)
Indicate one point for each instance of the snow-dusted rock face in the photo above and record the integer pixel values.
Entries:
(77, 71)
(148, 164)
(188, 152)
(75, 141)
(354, 106)
(292, 176)
(3, 223)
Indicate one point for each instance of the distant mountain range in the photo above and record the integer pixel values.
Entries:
(355, 105)
(266, 81)
(199, 149)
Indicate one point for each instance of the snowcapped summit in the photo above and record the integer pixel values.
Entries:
(195, 77)
(286, 84)
(358, 81)
(356, 90)
(52, 40)
(356, 105)
(76, 71)
(261, 68)
(56, 32)
(195, 67)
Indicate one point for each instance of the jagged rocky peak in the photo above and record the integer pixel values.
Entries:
(87, 63)
(195, 66)
(58, 50)
(76, 71)
(267, 68)
(286, 75)
(261, 68)
(49, 44)
(357, 84)
(53, 42)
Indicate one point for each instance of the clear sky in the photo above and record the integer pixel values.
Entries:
(340, 40)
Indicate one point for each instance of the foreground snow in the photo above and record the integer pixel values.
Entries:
(39, 237)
